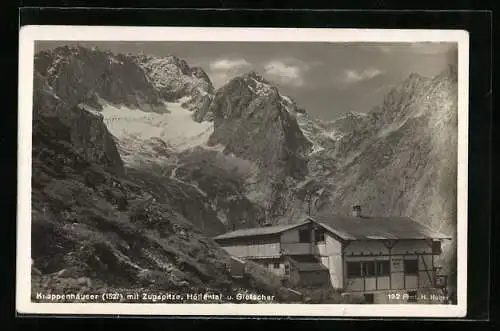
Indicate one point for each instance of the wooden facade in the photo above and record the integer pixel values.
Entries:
(389, 265)
(356, 266)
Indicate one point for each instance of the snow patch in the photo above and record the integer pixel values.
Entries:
(194, 186)
(289, 109)
(287, 99)
(216, 148)
(386, 130)
(316, 149)
(137, 153)
(176, 126)
(180, 101)
(202, 91)
(89, 109)
(334, 135)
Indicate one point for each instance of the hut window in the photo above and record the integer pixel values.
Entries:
(383, 268)
(411, 267)
(287, 269)
(369, 269)
(319, 236)
(276, 266)
(304, 236)
(353, 269)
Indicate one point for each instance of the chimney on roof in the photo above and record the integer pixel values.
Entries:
(356, 210)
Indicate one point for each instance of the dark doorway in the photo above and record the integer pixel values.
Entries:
(369, 298)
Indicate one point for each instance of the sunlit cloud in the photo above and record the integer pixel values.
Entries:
(283, 73)
(223, 70)
(229, 64)
(354, 76)
(289, 71)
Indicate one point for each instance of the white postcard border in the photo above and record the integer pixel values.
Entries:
(32, 33)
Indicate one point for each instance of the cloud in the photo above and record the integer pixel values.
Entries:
(354, 76)
(285, 74)
(223, 70)
(229, 64)
(288, 71)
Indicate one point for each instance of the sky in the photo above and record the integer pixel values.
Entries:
(326, 79)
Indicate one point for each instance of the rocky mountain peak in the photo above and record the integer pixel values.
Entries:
(404, 141)
(398, 102)
(252, 121)
(414, 76)
(174, 78)
(84, 75)
(200, 73)
(255, 75)
(257, 84)
(414, 81)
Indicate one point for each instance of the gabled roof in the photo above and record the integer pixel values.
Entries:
(352, 228)
(266, 230)
(373, 228)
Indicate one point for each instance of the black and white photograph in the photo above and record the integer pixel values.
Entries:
(273, 172)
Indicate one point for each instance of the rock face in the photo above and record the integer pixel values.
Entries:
(400, 159)
(82, 75)
(252, 121)
(174, 79)
(83, 203)
(54, 118)
(347, 123)
(97, 225)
